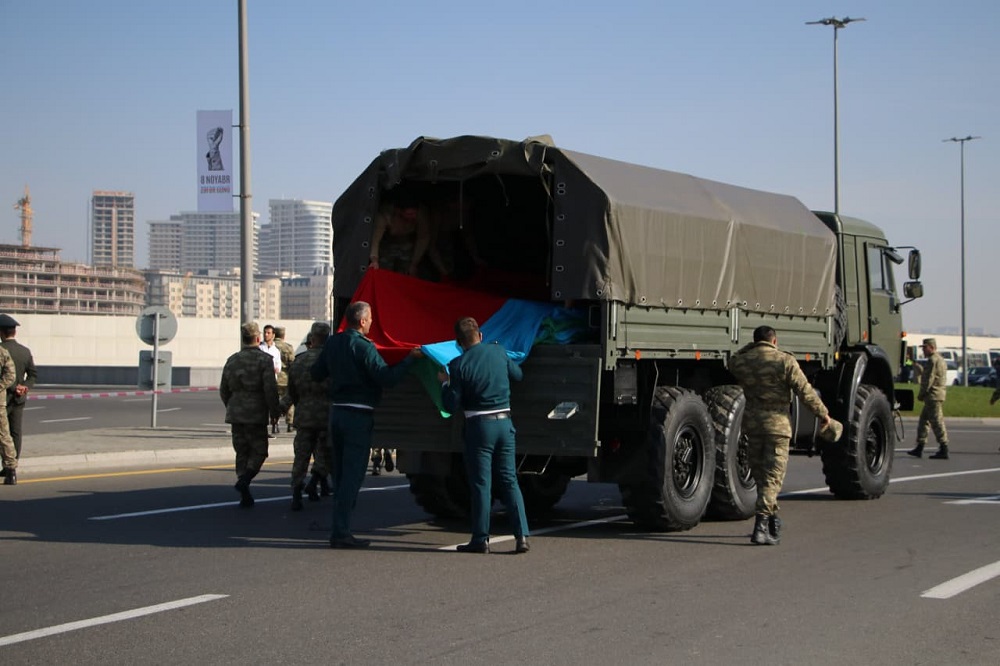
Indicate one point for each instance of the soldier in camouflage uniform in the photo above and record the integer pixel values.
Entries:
(933, 385)
(769, 377)
(313, 415)
(8, 378)
(287, 358)
(250, 393)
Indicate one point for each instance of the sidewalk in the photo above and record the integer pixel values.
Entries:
(82, 451)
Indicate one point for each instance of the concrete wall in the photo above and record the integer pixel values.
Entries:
(95, 350)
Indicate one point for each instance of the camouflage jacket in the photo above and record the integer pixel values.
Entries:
(310, 397)
(8, 375)
(769, 377)
(248, 388)
(934, 381)
(287, 358)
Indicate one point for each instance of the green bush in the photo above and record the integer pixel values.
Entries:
(973, 401)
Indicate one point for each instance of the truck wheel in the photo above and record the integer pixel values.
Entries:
(675, 489)
(541, 492)
(859, 465)
(734, 494)
(443, 496)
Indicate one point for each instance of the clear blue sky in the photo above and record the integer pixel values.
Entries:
(103, 95)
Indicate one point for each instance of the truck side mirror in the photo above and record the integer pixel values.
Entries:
(913, 290)
(914, 267)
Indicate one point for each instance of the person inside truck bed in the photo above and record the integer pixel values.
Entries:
(453, 248)
(400, 238)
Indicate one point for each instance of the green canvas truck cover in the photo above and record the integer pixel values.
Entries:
(621, 232)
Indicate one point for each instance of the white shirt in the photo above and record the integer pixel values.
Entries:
(275, 355)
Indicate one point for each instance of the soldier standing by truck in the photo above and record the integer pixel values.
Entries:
(313, 403)
(933, 389)
(768, 377)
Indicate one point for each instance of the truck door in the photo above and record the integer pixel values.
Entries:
(884, 319)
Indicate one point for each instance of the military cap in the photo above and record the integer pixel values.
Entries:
(250, 330)
(319, 328)
(930, 341)
(832, 432)
(279, 331)
(6, 321)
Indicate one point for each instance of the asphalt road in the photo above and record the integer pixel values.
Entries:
(116, 569)
(44, 414)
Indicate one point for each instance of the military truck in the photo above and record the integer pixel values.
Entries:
(674, 272)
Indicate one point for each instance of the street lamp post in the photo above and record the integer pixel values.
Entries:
(965, 347)
(838, 24)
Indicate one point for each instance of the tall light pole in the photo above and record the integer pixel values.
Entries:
(838, 24)
(965, 347)
(246, 199)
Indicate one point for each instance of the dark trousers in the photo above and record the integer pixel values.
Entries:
(14, 419)
(351, 442)
(489, 452)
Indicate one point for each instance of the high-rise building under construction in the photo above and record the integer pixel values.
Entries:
(112, 229)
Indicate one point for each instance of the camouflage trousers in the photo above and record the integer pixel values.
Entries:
(310, 443)
(250, 444)
(931, 418)
(290, 414)
(7, 451)
(768, 458)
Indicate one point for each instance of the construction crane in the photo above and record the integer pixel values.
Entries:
(24, 205)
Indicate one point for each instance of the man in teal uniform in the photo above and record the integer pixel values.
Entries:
(478, 384)
(357, 375)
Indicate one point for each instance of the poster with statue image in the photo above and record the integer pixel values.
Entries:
(215, 161)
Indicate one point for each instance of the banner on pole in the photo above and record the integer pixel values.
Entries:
(215, 161)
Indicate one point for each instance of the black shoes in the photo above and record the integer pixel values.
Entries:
(917, 451)
(521, 545)
(940, 454)
(390, 464)
(761, 532)
(297, 497)
(243, 488)
(483, 547)
(349, 542)
(289, 427)
(774, 528)
(311, 488)
(324, 487)
(10, 477)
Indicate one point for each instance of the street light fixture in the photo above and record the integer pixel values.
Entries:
(838, 24)
(965, 347)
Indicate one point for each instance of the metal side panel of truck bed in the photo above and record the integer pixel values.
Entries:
(408, 420)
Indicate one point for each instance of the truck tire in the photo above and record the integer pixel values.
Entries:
(673, 492)
(443, 496)
(859, 465)
(734, 494)
(541, 492)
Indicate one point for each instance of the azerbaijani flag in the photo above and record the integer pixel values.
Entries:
(408, 312)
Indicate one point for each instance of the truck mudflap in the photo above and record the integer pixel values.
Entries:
(408, 421)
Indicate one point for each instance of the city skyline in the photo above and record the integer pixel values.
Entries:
(730, 92)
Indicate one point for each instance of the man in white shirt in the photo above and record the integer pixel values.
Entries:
(268, 346)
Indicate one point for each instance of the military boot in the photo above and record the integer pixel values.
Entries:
(297, 497)
(917, 451)
(311, 488)
(774, 528)
(761, 535)
(376, 462)
(324, 486)
(941, 453)
(243, 488)
(10, 478)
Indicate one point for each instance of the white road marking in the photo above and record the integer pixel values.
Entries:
(901, 479)
(136, 400)
(78, 418)
(549, 530)
(955, 586)
(172, 409)
(28, 409)
(994, 499)
(215, 505)
(107, 619)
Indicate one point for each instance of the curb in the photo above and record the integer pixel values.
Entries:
(75, 462)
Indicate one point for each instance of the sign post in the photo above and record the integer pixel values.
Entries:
(155, 325)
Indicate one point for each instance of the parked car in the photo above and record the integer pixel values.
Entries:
(979, 376)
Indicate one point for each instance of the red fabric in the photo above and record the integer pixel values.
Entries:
(408, 312)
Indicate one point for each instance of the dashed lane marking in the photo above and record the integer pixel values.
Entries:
(550, 530)
(78, 418)
(108, 619)
(962, 583)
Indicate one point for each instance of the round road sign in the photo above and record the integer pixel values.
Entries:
(146, 323)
